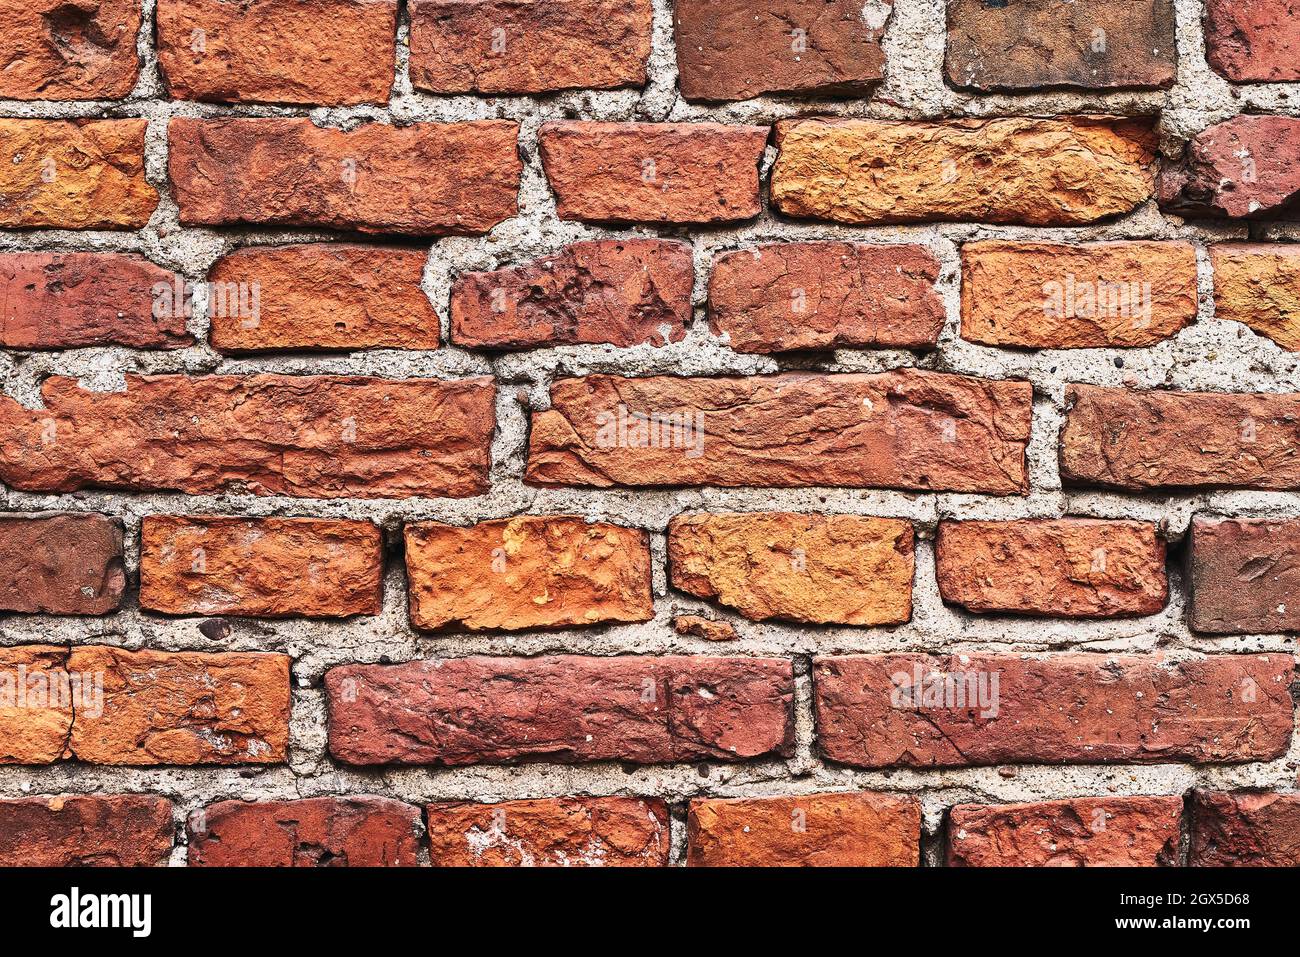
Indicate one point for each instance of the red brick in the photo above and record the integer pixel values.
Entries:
(313, 832)
(500, 46)
(653, 172)
(74, 174)
(306, 436)
(784, 296)
(70, 300)
(1245, 575)
(422, 179)
(1070, 567)
(92, 830)
(268, 567)
(36, 704)
(61, 564)
(1053, 709)
(564, 708)
(1245, 167)
(270, 51)
(810, 830)
(1254, 41)
(1245, 829)
(55, 50)
(902, 429)
(534, 571)
(623, 292)
(1081, 832)
(737, 49)
(551, 832)
(1149, 439)
(321, 296)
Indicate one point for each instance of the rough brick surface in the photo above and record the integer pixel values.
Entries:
(268, 567)
(527, 572)
(423, 179)
(551, 832)
(1035, 172)
(1083, 832)
(565, 708)
(1147, 439)
(737, 49)
(872, 711)
(813, 830)
(95, 830)
(71, 300)
(785, 296)
(1071, 567)
(1245, 575)
(61, 564)
(313, 436)
(618, 291)
(1084, 296)
(502, 46)
(320, 296)
(903, 429)
(1256, 41)
(36, 705)
(653, 172)
(1259, 284)
(697, 626)
(842, 569)
(1033, 44)
(270, 51)
(1245, 829)
(55, 50)
(1245, 167)
(74, 174)
(314, 832)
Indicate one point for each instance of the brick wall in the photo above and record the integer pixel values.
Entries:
(650, 433)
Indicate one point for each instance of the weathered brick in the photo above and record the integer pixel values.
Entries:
(697, 626)
(737, 49)
(653, 172)
(70, 300)
(36, 705)
(1069, 567)
(566, 708)
(73, 174)
(313, 832)
(821, 569)
(1084, 296)
(503, 46)
(306, 436)
(182, 708)
(86, 830)
(268, 51)
(533, 571)
(1033, 44)
(321, 296)
(924, 710)
(268, 567)
(623, 292)
(1245, 829)
(1259, 284)
(61, 564)
(784, 296)
(1150, 439)
(859, 829)
(1254, 41)
(422, 179)
(1245, 575)
(901, 429)
(1034, 172)
(1245, 167)
(56, 50)
(550, 832)
(1081, 832)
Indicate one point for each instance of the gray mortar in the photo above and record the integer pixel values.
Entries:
(1209, 355)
